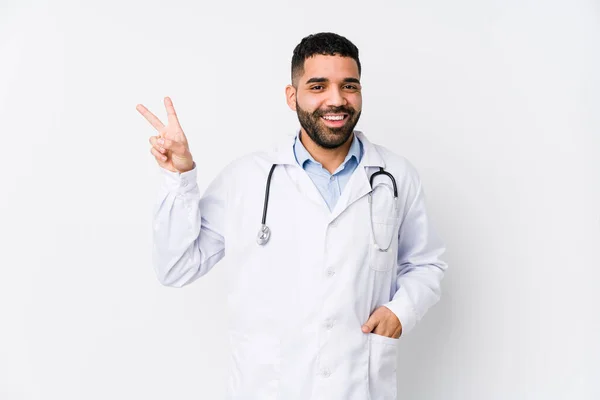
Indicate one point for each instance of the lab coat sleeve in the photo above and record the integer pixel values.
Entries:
(188, 238)
(420, 270)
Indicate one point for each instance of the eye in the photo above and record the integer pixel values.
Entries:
(317, 87)
(351, 87)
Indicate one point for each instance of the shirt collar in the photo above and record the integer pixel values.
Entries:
(282, 152)
(302, 155)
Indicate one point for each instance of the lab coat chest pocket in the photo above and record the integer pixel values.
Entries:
(384, 233)
(382, 367)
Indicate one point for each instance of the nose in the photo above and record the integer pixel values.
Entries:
(336, 98)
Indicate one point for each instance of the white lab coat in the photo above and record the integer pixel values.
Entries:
(297, 304)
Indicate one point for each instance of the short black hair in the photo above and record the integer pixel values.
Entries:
(325, 43)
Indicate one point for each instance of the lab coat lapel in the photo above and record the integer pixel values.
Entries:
(284, 155)
(358, 184)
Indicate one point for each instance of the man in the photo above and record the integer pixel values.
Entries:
(318, 304)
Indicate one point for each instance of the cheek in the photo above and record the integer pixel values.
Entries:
(356, 102)
(309, 104)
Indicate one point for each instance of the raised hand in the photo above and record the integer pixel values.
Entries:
(170, 147)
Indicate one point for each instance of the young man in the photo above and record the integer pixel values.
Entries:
(343, 261)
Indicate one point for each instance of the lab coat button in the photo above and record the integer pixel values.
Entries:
(330, 272)
(326, 373)
(329, 325)
(184, 183)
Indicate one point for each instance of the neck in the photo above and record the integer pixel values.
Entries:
(330, 159)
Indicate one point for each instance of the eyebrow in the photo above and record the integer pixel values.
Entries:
(322, 80)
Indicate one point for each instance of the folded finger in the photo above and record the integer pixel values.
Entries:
(161, 158)
(154, 142)
(175, 147)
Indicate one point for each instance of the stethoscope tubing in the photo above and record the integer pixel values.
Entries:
(265, 233)
(264, 216)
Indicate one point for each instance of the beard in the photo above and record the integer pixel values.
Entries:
(321, 134)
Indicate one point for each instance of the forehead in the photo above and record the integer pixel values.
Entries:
(335, 68)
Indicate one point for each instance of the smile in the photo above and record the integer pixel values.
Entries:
(334, 117)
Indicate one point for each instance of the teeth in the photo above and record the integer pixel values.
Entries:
(333, 117)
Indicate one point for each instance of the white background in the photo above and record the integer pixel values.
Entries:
(496, 103)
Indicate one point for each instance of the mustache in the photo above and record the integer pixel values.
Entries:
(335, 110)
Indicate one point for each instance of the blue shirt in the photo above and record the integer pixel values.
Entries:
(330, 185)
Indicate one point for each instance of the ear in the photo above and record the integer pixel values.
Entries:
(290, 97)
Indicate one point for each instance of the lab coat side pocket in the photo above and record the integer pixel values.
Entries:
(256, 365)
(382, 367)
(384, 233)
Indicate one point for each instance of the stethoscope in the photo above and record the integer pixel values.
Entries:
(264, 233)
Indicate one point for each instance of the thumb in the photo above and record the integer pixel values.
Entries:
(176, 147)
(370, 324)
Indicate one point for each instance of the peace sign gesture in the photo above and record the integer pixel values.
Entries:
(170, 147)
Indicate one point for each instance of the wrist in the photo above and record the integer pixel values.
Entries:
(183, 171)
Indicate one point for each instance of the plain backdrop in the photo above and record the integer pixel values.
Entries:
(495, 102)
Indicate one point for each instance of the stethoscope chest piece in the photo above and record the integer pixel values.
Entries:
(263, 235)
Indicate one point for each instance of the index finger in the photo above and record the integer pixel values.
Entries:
(153, 119)
(171, 114)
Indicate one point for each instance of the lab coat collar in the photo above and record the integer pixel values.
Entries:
(284, 151)
(357, 187)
